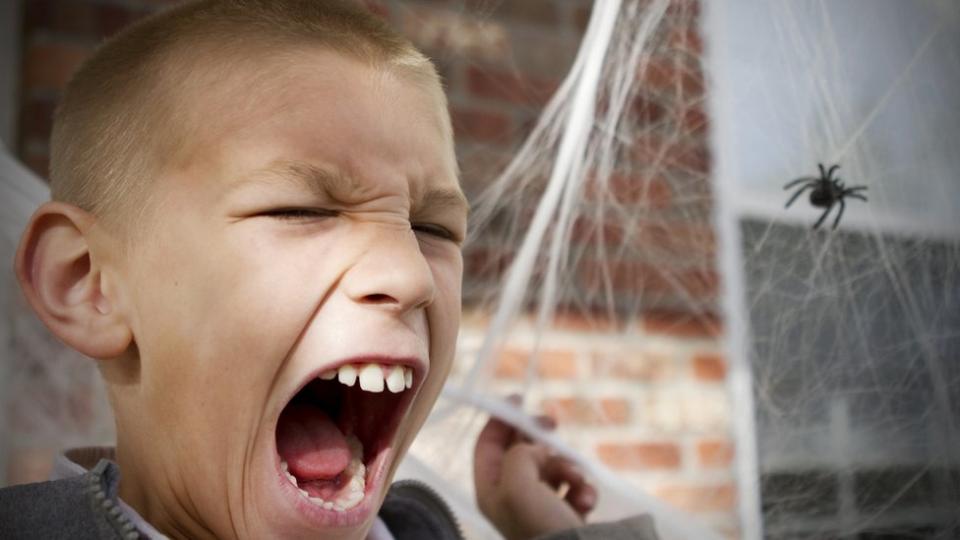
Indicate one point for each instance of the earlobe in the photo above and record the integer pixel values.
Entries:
(63, 282)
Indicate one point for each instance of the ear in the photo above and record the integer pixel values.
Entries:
(63, 282)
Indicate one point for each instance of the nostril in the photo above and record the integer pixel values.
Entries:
(379, 299)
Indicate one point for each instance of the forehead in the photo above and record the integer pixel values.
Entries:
(377, 127)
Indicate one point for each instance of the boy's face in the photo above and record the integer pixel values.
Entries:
(316, 224)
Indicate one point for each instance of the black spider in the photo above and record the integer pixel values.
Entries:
(827, 191)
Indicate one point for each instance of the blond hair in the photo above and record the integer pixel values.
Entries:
(120, 122)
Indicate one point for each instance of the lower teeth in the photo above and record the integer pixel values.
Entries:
(355, 470)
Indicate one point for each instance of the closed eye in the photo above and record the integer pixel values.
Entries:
(299, 214)
(435, 230)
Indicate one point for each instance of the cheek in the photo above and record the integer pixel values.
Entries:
(447, 275)
(444, 318)
(223, 311)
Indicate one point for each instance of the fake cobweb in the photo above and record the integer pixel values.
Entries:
(843, 345)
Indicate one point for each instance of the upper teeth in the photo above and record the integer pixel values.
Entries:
(373, 377)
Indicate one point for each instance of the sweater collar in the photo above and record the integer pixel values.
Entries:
(79, 461)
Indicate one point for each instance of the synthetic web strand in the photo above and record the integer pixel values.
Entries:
(605, 71)
(586, 74)
(881, 103)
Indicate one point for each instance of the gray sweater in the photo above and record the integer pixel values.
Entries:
(86, 507)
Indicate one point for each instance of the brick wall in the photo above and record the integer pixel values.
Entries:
(646, 394)
(649, 401)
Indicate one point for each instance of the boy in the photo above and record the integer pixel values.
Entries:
(255, 230)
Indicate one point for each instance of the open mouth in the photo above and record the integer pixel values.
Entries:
(333, 434)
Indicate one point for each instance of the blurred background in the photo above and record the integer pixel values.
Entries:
(700, 341)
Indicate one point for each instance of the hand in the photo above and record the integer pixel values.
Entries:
(523, 488)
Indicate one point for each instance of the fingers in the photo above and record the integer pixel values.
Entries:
(496, 438)
(580, 494)
(582, 497)
(546, 422)
(492, 442)
(524, 462)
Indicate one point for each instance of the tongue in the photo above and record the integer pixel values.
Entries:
(311, 444)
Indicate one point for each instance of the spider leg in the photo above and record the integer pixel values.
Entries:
(822, 217)
(795, 195)
(830, 172)
(839, 214)
(856, 188)
(856, 196)
(796, 181)
(823, 172)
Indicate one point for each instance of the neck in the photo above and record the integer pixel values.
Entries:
(156, 496)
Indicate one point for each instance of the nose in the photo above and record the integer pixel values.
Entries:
(391, 274)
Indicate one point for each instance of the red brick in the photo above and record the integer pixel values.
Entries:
(624, 188)
(679, 240)
(509, 87)
(684, 9)
(587, 231)
(512, 364)
(655, 150)
(608, 411)
(60, 16)
(714, 453)
(700, 498)
(452, 32)
(709, 367)
(633, 365)
(643, 277)
(659, 74)
(699, 283)
(684, 239)
(646, 110)
(581, 18)
(585, 321)
(36, 120)
(557, 364)
(486, 262)
(686, 38)
(40, 165)
(49, 66)
(551, 364)
(671, 77)
(542, 12)
(640, 456)
(113, 18)
(682, 324)
(691, 83)
(481, 125)
(479, 166)
(695, 121)
(632, 277)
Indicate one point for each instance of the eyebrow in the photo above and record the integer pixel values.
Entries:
(445, 198)
(330, 182)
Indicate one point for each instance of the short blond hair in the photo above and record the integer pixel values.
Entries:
(119, 121)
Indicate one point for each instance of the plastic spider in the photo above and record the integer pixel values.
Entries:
(827, 191)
